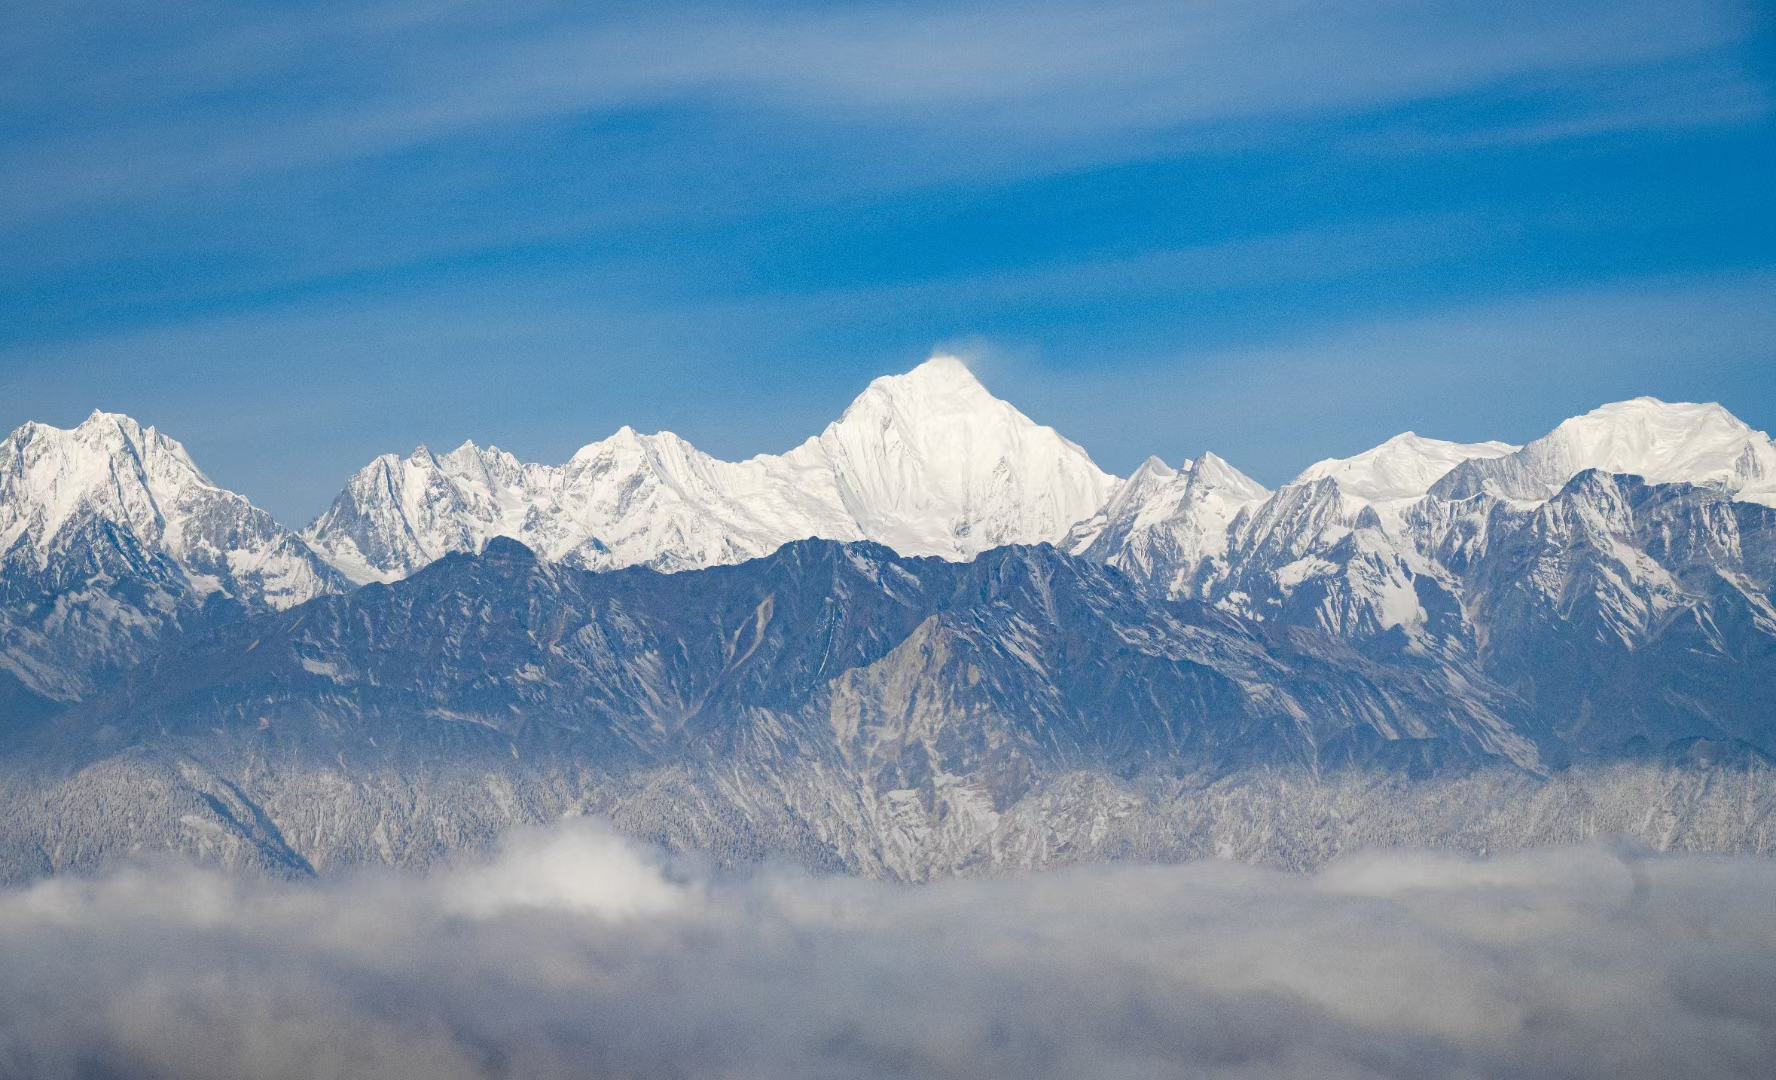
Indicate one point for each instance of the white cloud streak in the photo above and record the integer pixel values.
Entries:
(141, 103)
(1590, 962)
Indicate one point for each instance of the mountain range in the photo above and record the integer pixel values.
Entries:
(936, 638)
(928, 463)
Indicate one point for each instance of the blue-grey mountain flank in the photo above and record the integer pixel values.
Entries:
(934, 640)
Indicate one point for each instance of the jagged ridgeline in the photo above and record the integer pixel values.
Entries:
(935, 639)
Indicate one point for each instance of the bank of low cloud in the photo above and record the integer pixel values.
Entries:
(576, 954)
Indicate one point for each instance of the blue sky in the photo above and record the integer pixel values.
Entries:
(297, 235)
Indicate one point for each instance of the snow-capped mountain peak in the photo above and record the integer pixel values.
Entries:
(108, 466)
(931, 463)
(1661, 442)
(928, 462)
(114, 531)
(1211, 472)
(398, 514)
(55, 481)
(1404, 467)
(1169, 525)
(1142, 491)
(942, 385)
(1150, 494)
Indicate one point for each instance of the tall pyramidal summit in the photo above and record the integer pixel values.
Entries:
(928, 463)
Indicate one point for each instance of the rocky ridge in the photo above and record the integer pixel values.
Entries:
(1198, 666)
(111, 539)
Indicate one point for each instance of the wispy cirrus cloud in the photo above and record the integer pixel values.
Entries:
(119, 101)
(531, 222)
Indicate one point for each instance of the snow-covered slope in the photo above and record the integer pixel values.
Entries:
(1209, 531)
(1169, 526)
(1464, 552)
(1404, 467)
(109, 533)
(928, 463)
(1660, 442)
(55, 483)
(630, 499)
(1334, 548)
(890, 702)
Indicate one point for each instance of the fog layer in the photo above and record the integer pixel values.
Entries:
(576, 954)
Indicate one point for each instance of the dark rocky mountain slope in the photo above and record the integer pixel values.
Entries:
(835, 704)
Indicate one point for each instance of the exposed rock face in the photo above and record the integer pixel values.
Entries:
(820, 649)
(845, 707)
(1588, 594)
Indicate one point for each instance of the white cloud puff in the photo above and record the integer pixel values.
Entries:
(578, 955)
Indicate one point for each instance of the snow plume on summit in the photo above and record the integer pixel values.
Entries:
(576, 955)
(928, 463)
